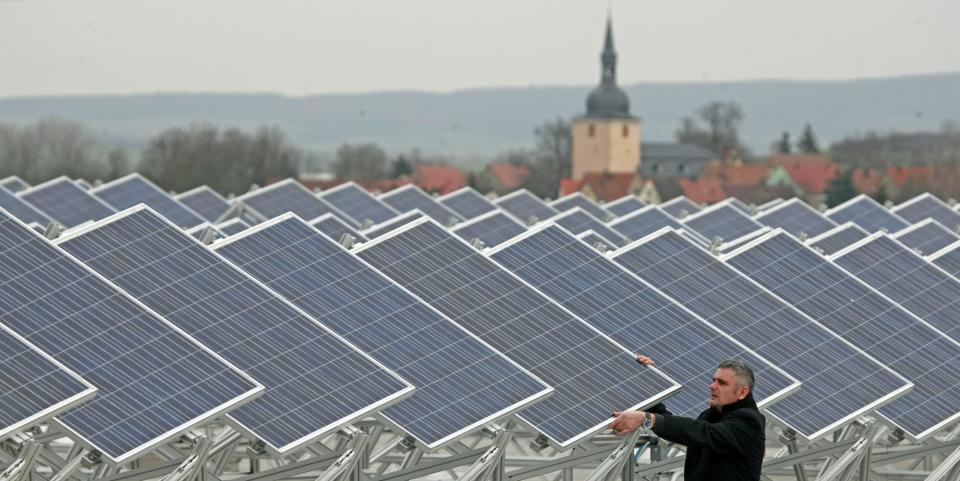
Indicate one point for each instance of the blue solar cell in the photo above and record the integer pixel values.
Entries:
(14, 184)
(579, 221)
(492, 228)
(926, 206)
(315, 381)
(635, 314)
(870, 321)
(948, 259)
(289, 196)
(232, 226)
(61, 200)
(334, 228)
(134, 189)
(525, 206)
(840, 382)
(21, 210)
(467, 202)
(625, 205)
(740, 205)
(153, 382)
(596, 241)
(577, 199)
(927, 236)
(410, 197)
(461, 382)
(868, 214)
(589, 373)
(680, 207)
(797, 218)
(644, 222)
(723, 221)
(359, 204)
(838, 238)
(378, 230)
(204, 201)
(35, 386)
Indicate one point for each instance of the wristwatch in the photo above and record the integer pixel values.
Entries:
(648, 421)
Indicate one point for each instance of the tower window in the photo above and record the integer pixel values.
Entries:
(626, 130)
(591, 129)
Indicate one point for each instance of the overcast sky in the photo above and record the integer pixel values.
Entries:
(301, 47)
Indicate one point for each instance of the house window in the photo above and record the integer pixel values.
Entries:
(655, 168)
(591, 130)
(626, 130)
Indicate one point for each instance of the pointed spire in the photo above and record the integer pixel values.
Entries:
(608, 58)
(608, 40)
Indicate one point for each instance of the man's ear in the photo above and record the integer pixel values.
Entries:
(743, 392)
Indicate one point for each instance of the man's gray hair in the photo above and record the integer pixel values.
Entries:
(741, 370)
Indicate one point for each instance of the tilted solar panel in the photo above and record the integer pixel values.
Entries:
(204, 201)
(378, 230)
(61, 200)
(926, 237)
(233, 226)
(461, 382)
(680, 207)
(926, 206)
(577, 199)
(797, 218)
(869, 320)
(578, 221)
(153, 381)
(646, 221)
(837, 238)
(769, 204)
(635, 314)
(467, 202)
(723, 221)
(491, 228)
(14, 184)
(289, 196)
(840, 382)
(596, 241)
(134, 189)
(948, 259)
(22, 210)
(740, 205)
(588, 371)
(316, 382)
(410, 197)
(334, 228)
(868, 214)
(625, 205)
(359, 204)
(525, 206)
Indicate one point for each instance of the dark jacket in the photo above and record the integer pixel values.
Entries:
(725, 445)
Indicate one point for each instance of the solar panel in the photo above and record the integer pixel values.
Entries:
(378, 230)
(14, 184)
(840, 382)
(316, 382)
(204, 201)
(576, 199)
(948, 259)
(61, 200)
(491, 228)
(740, 205)
(134, 189)
(233, 226)
(153, 382)
(334, 228)
(868, 214)
(525, 206)
(634, 314)
(680, 207)
(907, 278)
(770, 203)
(721, 220)
(359, 204)
(625, 205)
(461, 382)
(732, 245)
(926, 237)
(644, 222)
(578, 221)
(21, 210)
(467, 202)
(870, 321)
(837, 238)
(35, 386)
(590, 374)
(797, 218)
(289, 196)
(596, 241)
(410, 197)
(926, 206)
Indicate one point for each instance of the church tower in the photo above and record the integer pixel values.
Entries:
(607, 137)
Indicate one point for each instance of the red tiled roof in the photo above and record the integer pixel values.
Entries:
(867, 181)
(609, 186)
(919, 175)
(736, 174)
(569, 186)
(509, 176)
(439, 178)
(703, 191)
(812, 172)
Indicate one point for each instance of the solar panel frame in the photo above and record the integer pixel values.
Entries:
(741, 205)
(947, 259)
(721, 220)
(378, 230)
(204, 201)
(64, 210)
(797, 218)
(331, 226)
(521, 415)
(297, 199)
(467, 202)
(525, 206)
(924, 206)
(636, 226)
(83, 184)
(770, 203)
(200, 230)
(359, 204)
(625, 205)
(796, 315)
(491, 228)
(232, 226)
(577, 220)
(730, 246)
(680, 207)
(866, 213)
(410, 197)
(14, 183)
(133, 189)
(577, 199)
(20, 209)
(592, 239)
(837, 238)
(926, 237)
(734, 258)
(305, 439)
(384, 416)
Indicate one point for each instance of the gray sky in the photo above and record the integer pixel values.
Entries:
(301, 47)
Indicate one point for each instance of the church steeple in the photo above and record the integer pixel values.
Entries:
(608, 58)
(608, 100)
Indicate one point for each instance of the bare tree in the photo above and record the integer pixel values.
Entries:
(721, 132)
(50, 148)
(360, 162)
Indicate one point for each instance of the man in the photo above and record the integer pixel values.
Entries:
(725, 442)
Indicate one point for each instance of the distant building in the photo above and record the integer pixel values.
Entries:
(607, 187)
(667, 159)
(503, 178)
(438, 178)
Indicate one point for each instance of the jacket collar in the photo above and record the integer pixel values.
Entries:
(745, 403)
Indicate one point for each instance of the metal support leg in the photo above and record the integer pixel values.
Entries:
(948, 470)
(350, 464)
(789, 438)
(72, 465)
(489, 466)
(21, 467)
(192, 468)
(618, 462)
(852, 459)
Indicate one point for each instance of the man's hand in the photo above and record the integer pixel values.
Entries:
(646, 361)
(627, 421)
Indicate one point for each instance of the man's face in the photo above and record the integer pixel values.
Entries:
(724, 390)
